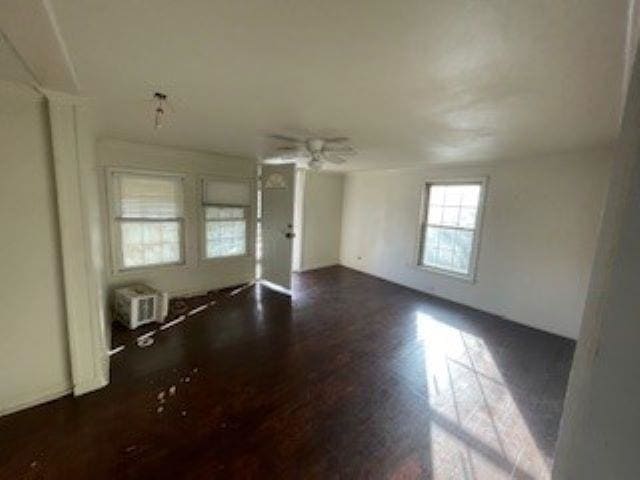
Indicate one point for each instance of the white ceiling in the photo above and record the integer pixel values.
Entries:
(410, 81)
(12, 68)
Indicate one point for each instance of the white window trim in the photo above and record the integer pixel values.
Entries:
(424, 209)
(117, 267)
(249, 213)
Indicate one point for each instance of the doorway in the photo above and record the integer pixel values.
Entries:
(279, 221)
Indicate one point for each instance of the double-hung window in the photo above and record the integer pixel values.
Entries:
(226, 212)
(450, 227)
(147, 219)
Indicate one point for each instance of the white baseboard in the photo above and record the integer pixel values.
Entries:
(318, 266)
(36, 398)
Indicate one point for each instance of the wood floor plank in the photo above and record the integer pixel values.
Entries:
(354, 377)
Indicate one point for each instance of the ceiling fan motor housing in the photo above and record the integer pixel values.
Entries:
(315, 144)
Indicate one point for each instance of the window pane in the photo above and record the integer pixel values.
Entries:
(453, 205)
(225, 238)
(225, 231)
(450, 216)
(142, 196)
(149, 243)
(467, 217)
(436, 194)
(448, 249)
(435, 215)
(470, 195)
(452, 195)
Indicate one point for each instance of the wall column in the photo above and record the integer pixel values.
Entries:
(81, 239)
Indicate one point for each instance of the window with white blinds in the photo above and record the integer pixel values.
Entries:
(225, 209)
(148, 219)
(450, 225)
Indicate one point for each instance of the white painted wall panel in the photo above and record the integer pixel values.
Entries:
(322, 219)
(537, 239)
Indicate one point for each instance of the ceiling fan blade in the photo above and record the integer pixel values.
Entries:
(289, 148)
(285, 156)
(341, 150)
(336, 139)
(336, 159)
(278, 160)
(286, 138)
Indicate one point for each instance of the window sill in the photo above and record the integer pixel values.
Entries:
(148, 268)
(227, 257)
(470, 278)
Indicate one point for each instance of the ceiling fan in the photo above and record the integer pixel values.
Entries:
(317, 151)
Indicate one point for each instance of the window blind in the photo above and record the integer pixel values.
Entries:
(227, 192)
(142, 196)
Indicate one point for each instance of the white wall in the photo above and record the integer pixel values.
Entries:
(537, 240)
(33, 343)
(321, 219)
(599, 429)
(197, 274)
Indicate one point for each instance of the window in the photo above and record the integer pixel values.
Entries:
(225, 208)
(147, 221)
(226, 231)
(450, 225)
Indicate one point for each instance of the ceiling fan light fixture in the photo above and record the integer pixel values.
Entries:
(318, 152)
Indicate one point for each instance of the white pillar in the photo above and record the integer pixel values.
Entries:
(81, 239)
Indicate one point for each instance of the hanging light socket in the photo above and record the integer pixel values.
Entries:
(161, 98)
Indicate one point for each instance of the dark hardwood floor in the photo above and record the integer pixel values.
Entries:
(353, 378)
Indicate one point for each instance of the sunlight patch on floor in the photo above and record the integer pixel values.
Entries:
(477, 430)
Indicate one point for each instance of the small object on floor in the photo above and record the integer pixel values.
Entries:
(144, 342)
(187, 379)
(160, 409)
(178, 306)
(116, 350)
(172, 322)
(239, 289)
(148, 334)
(172, 390)
(198, 309)
(183, 413)
(161, 396)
